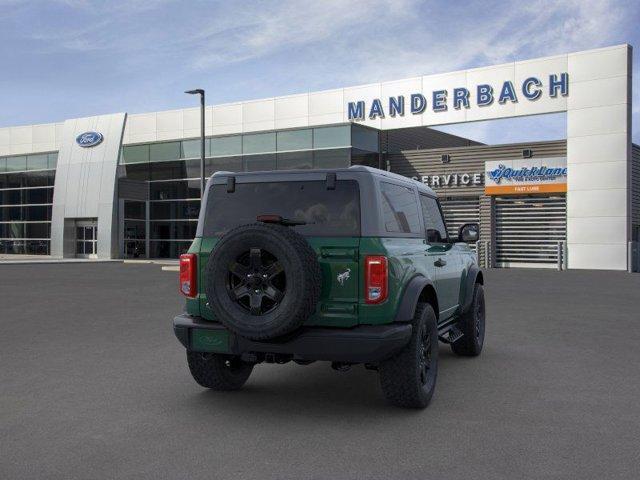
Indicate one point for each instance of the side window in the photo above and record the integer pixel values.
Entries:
(399, 209)
(433, 221)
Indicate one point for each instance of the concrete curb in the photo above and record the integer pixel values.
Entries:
(154, 262)
(54, 260)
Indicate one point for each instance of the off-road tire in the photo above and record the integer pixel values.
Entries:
(401, 377)
(218, 372)
(472, 324)
(299, 264)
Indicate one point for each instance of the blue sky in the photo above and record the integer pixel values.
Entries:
(65, 59)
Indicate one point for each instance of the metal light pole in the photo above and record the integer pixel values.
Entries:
(200, 91)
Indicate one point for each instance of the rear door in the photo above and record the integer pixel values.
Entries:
(329, 216)
(441, 253)
(338, 257)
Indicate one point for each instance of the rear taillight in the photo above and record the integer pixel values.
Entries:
(376, 274)
(188, 271)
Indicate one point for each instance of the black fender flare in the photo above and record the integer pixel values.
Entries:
(466, 290)
(410, 297)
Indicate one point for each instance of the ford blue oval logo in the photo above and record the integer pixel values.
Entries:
(89, 139)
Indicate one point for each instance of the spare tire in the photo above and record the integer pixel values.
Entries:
(262, 281)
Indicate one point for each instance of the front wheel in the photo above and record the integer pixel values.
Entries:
(409, 379)
(472, 326)
(218, 372)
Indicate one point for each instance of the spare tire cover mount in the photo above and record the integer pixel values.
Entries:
(262, 281)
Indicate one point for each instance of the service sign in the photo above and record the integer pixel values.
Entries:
(459, 179)
(524, 176)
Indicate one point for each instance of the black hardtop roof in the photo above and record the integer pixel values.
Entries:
(313, 174)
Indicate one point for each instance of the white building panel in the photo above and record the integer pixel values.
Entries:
(599, 148)
(59, 127)
(142, 124)
(596, 203)
(20, 149)
(292, 122)
(44, 133)
(326, 103)
(598, 256)
(5, 141)
(294, 106)
(227, 119)
(44, 138)
(596, 230)
(258, 115)
(191, 121)
(597, 120)
(141, 128)
(143, 138)
(596, 176)
(598, 93)
(589, 237)
(258, 111)
(21, 135)
(599, 63)
(170, 122)
(44, 147)
(325, 119)
(326, 107)
(5, 137)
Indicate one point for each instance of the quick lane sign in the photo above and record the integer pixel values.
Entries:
(481, 95)
(513, 177)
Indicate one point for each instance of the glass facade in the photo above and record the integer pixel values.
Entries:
(134, 229)
(165, 224)
(26, 197)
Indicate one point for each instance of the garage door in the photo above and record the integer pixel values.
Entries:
(528, 230)
(458, 211)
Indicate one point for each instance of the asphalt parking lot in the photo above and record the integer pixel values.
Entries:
(94, 385)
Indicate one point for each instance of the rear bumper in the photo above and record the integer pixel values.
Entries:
(362, 344)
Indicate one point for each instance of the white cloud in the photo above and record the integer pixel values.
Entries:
(284, 25)
(314, 45)
(533, 29)
(353, 39)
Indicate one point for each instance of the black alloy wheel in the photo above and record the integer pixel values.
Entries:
(408, 379)
(472, 325)
(425, 356)
(478, 315)
(257, 281)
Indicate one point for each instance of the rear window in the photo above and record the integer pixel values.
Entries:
(328, 213)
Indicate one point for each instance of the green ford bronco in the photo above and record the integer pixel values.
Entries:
(346, 265)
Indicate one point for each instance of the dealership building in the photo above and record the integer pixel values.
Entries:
(127, 185)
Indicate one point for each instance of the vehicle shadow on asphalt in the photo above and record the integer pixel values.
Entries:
(316, 390)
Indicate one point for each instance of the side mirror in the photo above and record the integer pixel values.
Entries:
(469, 233)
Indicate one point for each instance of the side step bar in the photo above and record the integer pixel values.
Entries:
(450, 334)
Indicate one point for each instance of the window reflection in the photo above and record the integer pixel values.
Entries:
(26, 195)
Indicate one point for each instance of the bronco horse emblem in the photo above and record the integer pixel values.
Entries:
(344, 276)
